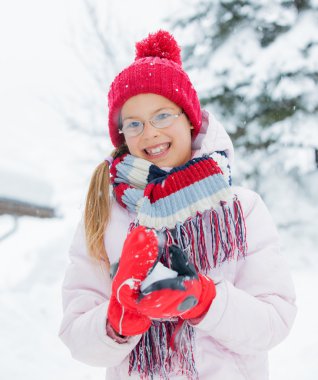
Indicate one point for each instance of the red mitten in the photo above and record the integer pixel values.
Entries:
(208, 293)
(185, 294)
(125, 321)
(139, 254)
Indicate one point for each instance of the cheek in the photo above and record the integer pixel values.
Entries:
(182, 146)
(130, 144)
(133, 148)
(184, 138)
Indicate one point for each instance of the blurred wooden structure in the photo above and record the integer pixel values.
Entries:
(20, 208)
(16, 209)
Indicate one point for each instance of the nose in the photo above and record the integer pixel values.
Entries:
(149, 131)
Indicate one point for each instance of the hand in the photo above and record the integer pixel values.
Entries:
(139, 254)
(188, 295)
(125, 321)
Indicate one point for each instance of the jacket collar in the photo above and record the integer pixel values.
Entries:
(212, 137)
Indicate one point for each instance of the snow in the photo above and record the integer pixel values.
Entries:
(296, 357)
(160, 272)
(44, 161)
(32, 268)
(20, 182)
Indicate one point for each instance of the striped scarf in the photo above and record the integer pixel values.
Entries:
(192, 206)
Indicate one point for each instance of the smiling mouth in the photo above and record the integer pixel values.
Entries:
(157, 150)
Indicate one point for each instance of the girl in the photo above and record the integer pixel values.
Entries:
(201, 290)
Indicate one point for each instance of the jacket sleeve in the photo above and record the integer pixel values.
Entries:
(256, 312)
(85, 293)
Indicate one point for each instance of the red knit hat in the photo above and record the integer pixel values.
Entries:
(157, 69)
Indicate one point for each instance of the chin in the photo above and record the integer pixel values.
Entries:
(168, 164)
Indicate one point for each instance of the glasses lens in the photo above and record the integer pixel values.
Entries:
(132, 128)
(163, 120)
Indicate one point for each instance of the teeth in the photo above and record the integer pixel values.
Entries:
(157, 149)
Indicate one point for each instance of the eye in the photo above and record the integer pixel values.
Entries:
(162, 116)
(134, 124)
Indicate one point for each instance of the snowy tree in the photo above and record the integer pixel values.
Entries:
(254, 63)
(96, 42)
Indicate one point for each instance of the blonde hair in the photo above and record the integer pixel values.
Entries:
(97, 208)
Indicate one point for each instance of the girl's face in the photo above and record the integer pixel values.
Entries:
(166, 147)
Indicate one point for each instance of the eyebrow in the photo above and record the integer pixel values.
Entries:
(154, 112)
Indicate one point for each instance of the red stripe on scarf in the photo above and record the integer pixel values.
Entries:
(120, 189)
(181, 179)
(113, 167)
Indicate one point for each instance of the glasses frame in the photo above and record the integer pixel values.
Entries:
(150, 121)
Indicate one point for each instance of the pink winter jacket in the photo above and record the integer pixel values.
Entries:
(253, 310)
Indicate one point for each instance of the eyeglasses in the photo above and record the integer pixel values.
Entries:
(132, 128)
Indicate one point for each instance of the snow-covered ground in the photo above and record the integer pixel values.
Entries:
(57, 162)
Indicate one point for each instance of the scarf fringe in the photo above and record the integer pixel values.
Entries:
(223, 230)
(154, 356)
(212, 237)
